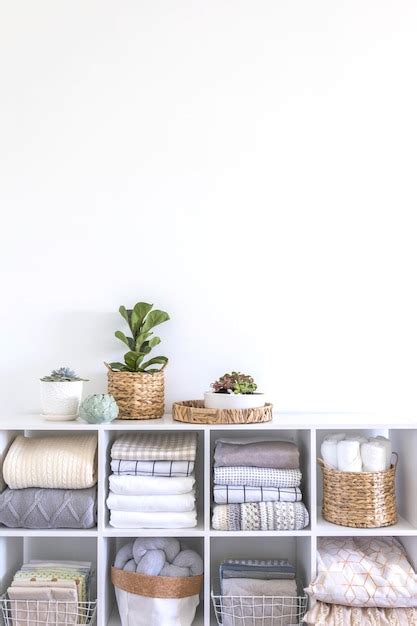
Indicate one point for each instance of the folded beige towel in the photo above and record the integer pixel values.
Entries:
(59, 462)
(49, 606)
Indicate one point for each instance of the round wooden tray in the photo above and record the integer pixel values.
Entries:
(194, 412)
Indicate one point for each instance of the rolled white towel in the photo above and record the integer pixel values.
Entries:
(359, 438)
(374, 456)
(388, 448)
(329, 449)
(349, 456)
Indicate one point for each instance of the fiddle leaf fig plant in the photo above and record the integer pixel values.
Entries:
(141, 320)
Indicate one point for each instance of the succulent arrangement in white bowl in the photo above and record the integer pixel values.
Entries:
(61, 394)
(234, 391)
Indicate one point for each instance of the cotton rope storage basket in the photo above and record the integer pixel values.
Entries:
(138, 395)
(194, 412)
(156, 600)
(359, 499)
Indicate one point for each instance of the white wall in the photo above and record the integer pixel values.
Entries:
(248, 166)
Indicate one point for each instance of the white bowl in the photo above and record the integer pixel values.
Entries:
(214, 400)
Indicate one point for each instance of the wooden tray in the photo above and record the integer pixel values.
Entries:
(194, 412)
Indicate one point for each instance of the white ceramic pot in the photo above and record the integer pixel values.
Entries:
(61, 399)
(214, 400)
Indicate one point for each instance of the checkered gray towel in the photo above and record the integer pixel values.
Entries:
(176, 446)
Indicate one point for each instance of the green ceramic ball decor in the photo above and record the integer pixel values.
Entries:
(99, 408)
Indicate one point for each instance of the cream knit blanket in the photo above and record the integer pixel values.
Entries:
(59, 462)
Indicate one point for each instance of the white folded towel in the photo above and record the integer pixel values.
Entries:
(374, 456)
(349, 456)
(123, 519)
(388, 448)
(329, 449)
(359, 438)
(145, 504)
(150, 485)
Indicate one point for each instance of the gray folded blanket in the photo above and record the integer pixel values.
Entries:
(257, 569)
(48, 508)
(159, 556)
(275, 454)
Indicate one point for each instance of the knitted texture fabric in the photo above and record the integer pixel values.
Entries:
(336, 615)
(257, 476)
(48, 508)
(260, 516)
(59, 462)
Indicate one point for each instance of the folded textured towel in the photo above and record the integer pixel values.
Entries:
(48, 508)
(276, 454)
(260, 516)
(234, 494)
(257, 477)
(252, 602)
(123, 519)
(152, 468)
(329, 449)
(337, 615)
(174, 446)
(254, 568)
(58, 462)
(150, 485)
(147, 504)
(349, 456)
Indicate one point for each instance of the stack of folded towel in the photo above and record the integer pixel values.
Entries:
(257, 486)
(38, 583)
(152, 484)
(356, 453)
(366, 581)
(255, 592)
(51, 482)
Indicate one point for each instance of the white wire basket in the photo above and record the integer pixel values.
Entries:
(47, 612)
(259, 610)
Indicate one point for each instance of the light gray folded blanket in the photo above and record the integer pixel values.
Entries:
(159, 556)
(275, 454)
(252, 602)
(48, 508)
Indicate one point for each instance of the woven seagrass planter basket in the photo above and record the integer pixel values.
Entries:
(139, 396)
(359, 499)
(194, 412)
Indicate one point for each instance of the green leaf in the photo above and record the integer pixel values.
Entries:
(153, 319)
(127, 340)
(127, 315)
(140, 311)
(147, 346)
(140, 340)
(118, 366)
(139, 361)
(158, 360)
(130, 360)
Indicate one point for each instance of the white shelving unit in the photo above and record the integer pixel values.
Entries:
(306, 430)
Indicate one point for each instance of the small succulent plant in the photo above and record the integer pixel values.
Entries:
(234, 383)
(62, 374)
(141, 319)
(99, 408)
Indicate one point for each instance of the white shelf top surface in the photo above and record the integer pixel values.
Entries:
(283, 421)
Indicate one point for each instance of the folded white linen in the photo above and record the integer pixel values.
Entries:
(257, 587)
(388, 448)
(123, 519)
(374, 456)
(150, 485)
(329, 448)
(349, 456)
(146, 504)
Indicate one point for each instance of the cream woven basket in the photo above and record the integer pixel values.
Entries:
(359, 499)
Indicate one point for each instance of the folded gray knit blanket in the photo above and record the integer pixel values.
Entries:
(48, 508)
(260, 516)
(276, 454)
(159, 556)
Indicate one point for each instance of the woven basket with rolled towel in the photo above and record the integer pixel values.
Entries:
(157, 581)
(359, 499)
